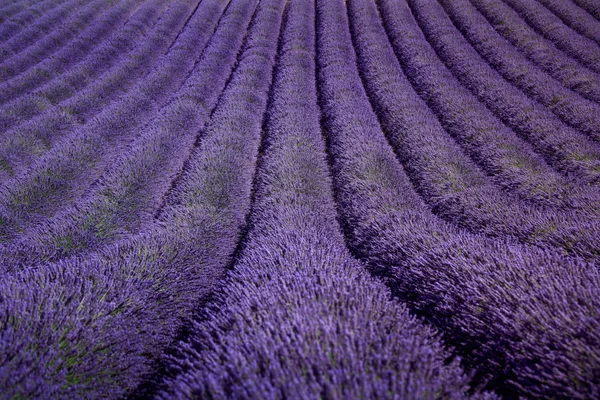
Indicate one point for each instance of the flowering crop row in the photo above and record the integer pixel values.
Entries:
(130, 192)
(296, 300)
(73, 164)
(294, 199)
(539, 49)
(20, 14)
(105, 29)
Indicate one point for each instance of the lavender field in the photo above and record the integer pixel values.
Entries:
(299, 199)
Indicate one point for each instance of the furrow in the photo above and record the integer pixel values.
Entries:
(512, 163)
(570, 106)
(575, 17)
(494, 301)
(45, 25)
(564, 148)
(538, 49)
(590, 6)
(579, 47)
(122, 307)
(72, 166)
(45, 86)
(67, 34)
(8, 9)
(295, 279)
(73, 54)
(130, 191)
(18, 22)
(449, 182)
(23, 145)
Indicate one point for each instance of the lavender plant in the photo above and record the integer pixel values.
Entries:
(13, 13)
(491, 144)
(38, 29)
(575, 17)
(54, 42)
(299, 199)
(58, 178)
(141, 291)
(539, 49)
(22, 144)
(566, 149)
(20, 13)
(453, 186)
(541, 19)
(103, 31)
(495, 301)
(129, 193)
(570, 106)
(299, 318)
(590, 6)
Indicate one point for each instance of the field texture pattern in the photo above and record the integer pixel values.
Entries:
(299, 199)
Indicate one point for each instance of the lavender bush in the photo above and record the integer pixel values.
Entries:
(479, 292)
(590, 6)
(292, 199)
(53, 42)
(296, 300)
(129, 193)
(539, 49)
(39, 29)
(565, 148)
(17, 15)
(24, 144)
(454, 187)
(570, 106)
(575, 17)
(75, 162)
(551, 27)
(107, 27)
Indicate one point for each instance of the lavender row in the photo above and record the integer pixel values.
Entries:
(44, 25)
(512, 162)
(494, 301)
(95, 328)
(21, 146)
(61, 175)
(551, 27)
(67, 33)
(590, 6)
(564, 148)
(138, 311)
(129, 193)
(296, 304)
(311, 324)
(575, 110)
(20, 99)
(575, 17)
(28, 15)
(220, 171)
(448, 181)
(72, 54)
(8, 3)
(540, 50)
(8, 9)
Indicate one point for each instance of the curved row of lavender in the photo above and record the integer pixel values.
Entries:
(296, 300)
(539, 49)
(39, 29)
(302, 199)
(19, 14)
(71, 54)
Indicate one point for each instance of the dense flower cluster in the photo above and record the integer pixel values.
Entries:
(290, 199)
